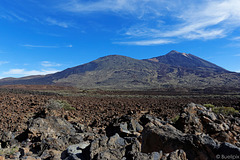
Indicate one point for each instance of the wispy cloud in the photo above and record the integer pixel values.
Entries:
(38, 46)
(23, 72)
(45, 46)
(12, 16)
(147, 42)
(3, 62)
(52, 21)
(141, 9)
(237, 55)
(50, 64)
(191, 20)
(236, 38)
(209, 20)
(102, 5)
(18, 17)
(205, 20)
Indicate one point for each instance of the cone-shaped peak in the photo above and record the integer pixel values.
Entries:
(179, 59)
(174, 52)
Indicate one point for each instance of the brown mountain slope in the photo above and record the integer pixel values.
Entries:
(185, 60)
(174, 70)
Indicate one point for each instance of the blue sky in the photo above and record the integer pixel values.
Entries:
(46, 36)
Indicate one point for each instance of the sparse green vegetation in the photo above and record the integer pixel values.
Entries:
(222, 110)
(55, 104)
(225, 110)
(9, 151)
(209, 105)
(67, 106)
(175, 119)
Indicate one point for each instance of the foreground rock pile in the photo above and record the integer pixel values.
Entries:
(198, 133)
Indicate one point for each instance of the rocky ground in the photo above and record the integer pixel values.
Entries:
(48, 125)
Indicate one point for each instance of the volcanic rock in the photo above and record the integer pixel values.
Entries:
(132, 136)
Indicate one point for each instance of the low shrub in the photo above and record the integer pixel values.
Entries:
(57, 104)
(175, 119)
(9, 151)
(225, 110)
(209, 105)
(222, 110)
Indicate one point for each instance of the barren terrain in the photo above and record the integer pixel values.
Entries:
(95, 107)
(54, 122)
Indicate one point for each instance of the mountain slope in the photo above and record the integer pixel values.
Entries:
(178, 59)
(113, 71)
(173, 70)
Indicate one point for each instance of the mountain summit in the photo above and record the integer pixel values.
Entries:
(178, 59)
(173, 70)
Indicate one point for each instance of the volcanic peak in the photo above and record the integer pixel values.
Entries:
(174, 52)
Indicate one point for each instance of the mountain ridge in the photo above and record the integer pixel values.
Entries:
(172, 70)
(178, 59)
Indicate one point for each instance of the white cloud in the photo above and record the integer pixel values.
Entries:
(18, 17)
(236, 38)
(183, 19)
(102, 5)
(147, 42)
(139, 8)
(213, 19)
(45, 46)
(24, 72)
(50, 64)
(11, 16)
(238, 55)
(203, 34)
(3, 62)
(52, 21)
(206, 20)
(38, 46)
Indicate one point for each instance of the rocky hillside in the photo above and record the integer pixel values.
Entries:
(185, 60)
(197, 133)
(173, 70)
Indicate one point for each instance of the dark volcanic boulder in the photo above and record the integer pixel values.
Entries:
(105, 148)
(196, 119)
(50, 133)
(167, 138)
(130, 137)
(228, 149)
(157, 136)
(188, 121)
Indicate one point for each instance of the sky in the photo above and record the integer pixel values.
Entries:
(47, 36)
